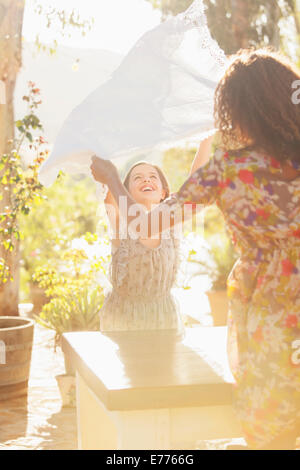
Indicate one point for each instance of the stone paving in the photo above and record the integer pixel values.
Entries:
(40, 421)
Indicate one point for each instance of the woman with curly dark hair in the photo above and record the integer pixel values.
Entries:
(254, 178)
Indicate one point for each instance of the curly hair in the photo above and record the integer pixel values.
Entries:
(253, 104)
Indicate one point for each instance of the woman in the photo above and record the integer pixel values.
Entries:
(255, 180)
(143, 270)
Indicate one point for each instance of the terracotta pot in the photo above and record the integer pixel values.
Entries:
(219, 306)
(38, 298)
(69, 368)
(16, 337)
(67, 387)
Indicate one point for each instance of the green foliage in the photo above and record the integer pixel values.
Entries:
(176, 165)
(20, 186)
(77, 309)
(224, 257)
(62, 21)
(171, 7)
(221, 248)
(69, 210)
(75, 284)
(216, 257)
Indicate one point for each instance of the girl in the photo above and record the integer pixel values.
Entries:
(255, 180)
(143, 269)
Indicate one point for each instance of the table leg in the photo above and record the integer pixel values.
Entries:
(143, 429)
(95, 425)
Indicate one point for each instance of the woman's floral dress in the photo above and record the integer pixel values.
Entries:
(262, 213)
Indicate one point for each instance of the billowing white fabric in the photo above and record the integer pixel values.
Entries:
(161, 93)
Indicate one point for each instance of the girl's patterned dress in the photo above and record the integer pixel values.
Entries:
(262, 213)
(142, 279)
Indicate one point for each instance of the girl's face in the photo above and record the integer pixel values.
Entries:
(145, 185)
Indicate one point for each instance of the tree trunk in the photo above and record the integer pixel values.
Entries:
(11, 21)
(296, 15)
(274, 13)
(240, 23)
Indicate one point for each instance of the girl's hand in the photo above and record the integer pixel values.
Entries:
(102, 170)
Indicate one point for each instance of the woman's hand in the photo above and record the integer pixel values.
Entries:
(102, 170)
(203, 154)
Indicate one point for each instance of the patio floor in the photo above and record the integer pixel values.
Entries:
(40, 422)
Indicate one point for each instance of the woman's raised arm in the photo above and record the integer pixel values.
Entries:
(203, 154)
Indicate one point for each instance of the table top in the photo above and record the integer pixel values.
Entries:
(153, 369)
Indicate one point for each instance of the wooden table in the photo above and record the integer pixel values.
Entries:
(151, 390)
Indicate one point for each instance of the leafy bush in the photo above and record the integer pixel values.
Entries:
(177, 164)
(75, 308)
(69, 210)
(19, 182)
(76, 285)
(212, 252)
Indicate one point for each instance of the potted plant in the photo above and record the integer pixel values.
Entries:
(224, 257)
(214, 258)
(76, 287)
